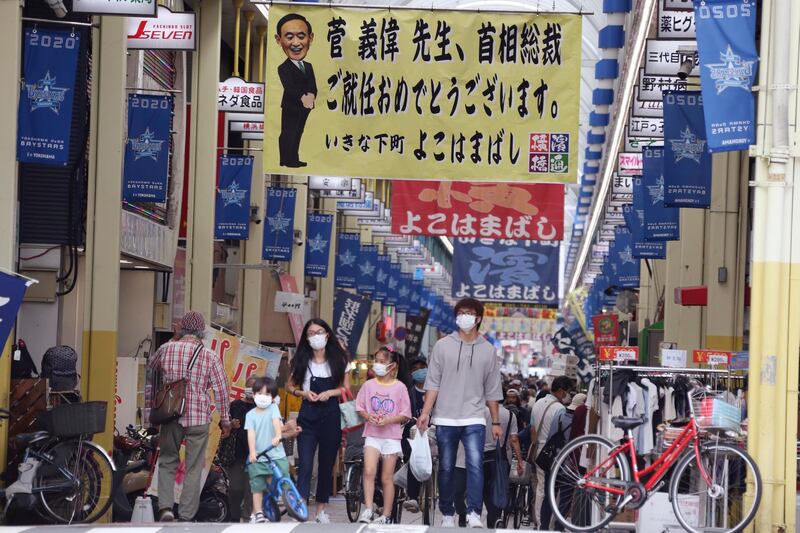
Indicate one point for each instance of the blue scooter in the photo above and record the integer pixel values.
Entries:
(282, 486)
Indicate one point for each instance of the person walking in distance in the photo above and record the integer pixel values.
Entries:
(173, 360)
(463, 379)
(318, 376)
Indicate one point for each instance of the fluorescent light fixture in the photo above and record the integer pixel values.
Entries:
(447, 243)
(124, 262)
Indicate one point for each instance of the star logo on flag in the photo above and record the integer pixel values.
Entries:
(657, 191)
(232, 195)
(347, 258)
(626, 256)
(278, 223)
(731, 71)
(146, 145)
(392, 284)
(403, 292)
(688, 146)
(317, 244)
(45, 95)
(381, 276)
(367, 268)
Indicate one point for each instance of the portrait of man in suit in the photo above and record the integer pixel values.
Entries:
(294, 35)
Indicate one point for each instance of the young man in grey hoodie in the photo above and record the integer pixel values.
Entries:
(463, 378)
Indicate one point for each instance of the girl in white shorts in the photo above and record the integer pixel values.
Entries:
(383, 402)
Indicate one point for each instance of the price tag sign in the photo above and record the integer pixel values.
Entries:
(288, 302)
(673, 358)
(619, 353)
(711, 357)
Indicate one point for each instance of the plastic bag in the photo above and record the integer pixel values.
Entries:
(401, 477)
(420, 462)
(514, 476)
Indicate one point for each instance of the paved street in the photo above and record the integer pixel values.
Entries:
(283, 527)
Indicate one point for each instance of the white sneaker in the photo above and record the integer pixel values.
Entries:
(474, 520)
(323, 518)
(412, 506)
(366, 516)
(382, 520)
(448, 521)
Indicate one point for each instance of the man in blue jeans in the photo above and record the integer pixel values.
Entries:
(463, 378)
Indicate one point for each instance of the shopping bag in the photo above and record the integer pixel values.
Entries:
(500, 485)
(349, 415)
(514, 476)
(420, 462)
(401, 477)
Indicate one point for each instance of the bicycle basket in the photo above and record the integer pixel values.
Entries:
(73, 419)
(715, 413)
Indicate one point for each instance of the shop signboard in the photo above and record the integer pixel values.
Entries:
(166, 31)
(252, 136)
(357, 193)
(44, 116)
(664, 58)
(494, 210)
(244, 117)
(318, 228)
(319, 183)
(380, 74)
(506, 271)
(652, 86)
(648, 127)
(232, 209)
(359, 207)
(629, 164)
(606, 330)
(288, 302)
(687, 161)
(641, 108)
(638, 144)
(676, 24)
(740, 361)
(237, 95)
(619, 354)
(247, 127)
(660, 223)
(133, 8)
(711, 357)
(676, 5)
(347, 251)
(147, 148)
(279, 224)
(673, 358)
(729, 59)
(415, 326)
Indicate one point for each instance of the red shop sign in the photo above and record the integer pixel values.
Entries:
(619, 353)
(711, 357)
(483, 210)
(606, 330)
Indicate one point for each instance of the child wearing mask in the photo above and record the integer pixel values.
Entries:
(384, 403)
(264, 431)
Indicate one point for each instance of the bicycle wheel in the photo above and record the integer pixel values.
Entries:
(352, 492)
(269, 507)
(576, 506)
(520, 504)
(90, 494)
(728, 501)
(293, 502)
(425, 503)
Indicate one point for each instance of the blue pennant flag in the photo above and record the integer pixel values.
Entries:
(12, 291)
(660, 223)
(147, 148)
(367, 269)
(726, 44)
(381, 278)
(318, 229)
(279, 224)
(687, 161)
(634, 220)
(404, 293)
(416, 296)
(392, 284)
(232, 211)
(348, 248)
(44, 116)
(627, 265)
(350, 313)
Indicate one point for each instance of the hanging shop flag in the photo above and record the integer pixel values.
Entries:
(415, 326)
(318, 229)
(404, 293)
(726, 44)
(232, 212)
(12, 291)
(627, 266)
(348, 248)
(44, 115)
(416, 296)
(634, 220)
(367, 269)
(660, 223)
(687, 161)
(147, 149)
(393, 284)
(350, 313)
(279, 227)
(506, 271)
(381, 278)
(494, 211)
(424, 94)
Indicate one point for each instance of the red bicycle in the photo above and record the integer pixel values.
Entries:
(714, 484)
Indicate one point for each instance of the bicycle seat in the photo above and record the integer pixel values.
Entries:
(26, 439)
(628, 422)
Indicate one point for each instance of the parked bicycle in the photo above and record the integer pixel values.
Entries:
(282, 487)
(354, 491)
(593, 479)
(65, 476)
(520, 510)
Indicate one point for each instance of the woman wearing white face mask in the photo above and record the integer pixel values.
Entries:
(318, 376)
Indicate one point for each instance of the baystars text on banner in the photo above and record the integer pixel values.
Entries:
(424, 94)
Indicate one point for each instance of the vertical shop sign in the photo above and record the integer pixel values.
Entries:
(148, 147)
(347, 251)
(687, 161)
(415, 326)
(660, 223)
(44, 115)
(350, 313)
(318, 229)
(367, 269)
(279, 228)
(232, 212)
(728, 63)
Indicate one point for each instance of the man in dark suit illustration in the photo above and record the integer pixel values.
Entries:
(294, 36)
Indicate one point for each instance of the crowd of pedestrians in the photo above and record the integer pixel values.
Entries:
(458, 390)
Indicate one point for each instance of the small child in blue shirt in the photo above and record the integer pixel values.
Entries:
(264, 430)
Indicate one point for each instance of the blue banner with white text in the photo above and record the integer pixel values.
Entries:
(318, 246)
(634, 220)
(44, 115)
(687, 161)
(147, 148)
(348, 248)
(404, 293)
(350, 313)
(506, 271)
(232, 210)
(726, 44)
(393, 284)
(12, 291)
(367, 269)
(381, 278)
(627, 265)
(660, 223)
(279, 224)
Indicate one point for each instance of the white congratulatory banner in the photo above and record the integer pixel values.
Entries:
(167, 31)
(137, 8)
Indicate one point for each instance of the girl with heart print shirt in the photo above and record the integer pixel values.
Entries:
(383, 402)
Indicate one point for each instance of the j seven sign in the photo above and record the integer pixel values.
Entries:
(167, 31)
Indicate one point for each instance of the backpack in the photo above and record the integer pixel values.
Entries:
(59, 366)
(22, 365)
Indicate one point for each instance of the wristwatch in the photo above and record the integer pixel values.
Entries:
(495, 423)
